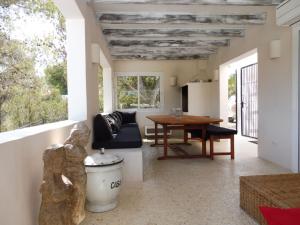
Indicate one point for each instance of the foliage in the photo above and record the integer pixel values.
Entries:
(42, 49)
(127, 92)
(56, 76)
(25, 98)
(232, 85)
(100, 87)
(138, 92)
(149, 92)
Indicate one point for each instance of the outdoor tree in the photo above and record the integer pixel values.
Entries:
(16, 69)
(138, 90)
(56, 76)
(27, 96)
(100, 87)
(232, 85)
(127, 92)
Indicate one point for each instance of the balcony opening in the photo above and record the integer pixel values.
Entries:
(33, 70)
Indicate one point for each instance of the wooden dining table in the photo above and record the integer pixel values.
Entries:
(185, 123)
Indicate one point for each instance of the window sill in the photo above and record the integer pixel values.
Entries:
(26, 132)
(140, 110)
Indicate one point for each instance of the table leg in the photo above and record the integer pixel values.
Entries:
(204, 140)
(155, 134)
(165, 141)
(165, 131)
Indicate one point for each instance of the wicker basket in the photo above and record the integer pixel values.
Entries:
(281, 191)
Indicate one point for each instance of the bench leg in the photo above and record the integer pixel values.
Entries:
(211, 147)
(232, 146)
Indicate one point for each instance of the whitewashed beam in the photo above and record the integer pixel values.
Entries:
(112, 38)
(173, 26)
(183, 9)
(173, 33)
(159, 57)
(194, 2)
(167, 18)
(212, 44)
(161, 51)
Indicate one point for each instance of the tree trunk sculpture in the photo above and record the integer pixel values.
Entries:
(64, 182)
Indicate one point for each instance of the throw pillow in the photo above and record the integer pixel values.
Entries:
(113, 123)
(117, 120)
(102, 129)
(128, 117)
(277, 216)
(120, 116)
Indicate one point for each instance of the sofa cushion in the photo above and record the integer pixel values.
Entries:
(128, 117)
(102, 129)
(215, 130)
(212, 130)
(128, 137)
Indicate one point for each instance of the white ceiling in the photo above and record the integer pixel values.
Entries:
(175, 29)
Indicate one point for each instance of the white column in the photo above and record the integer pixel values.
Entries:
(76, 67)
(108, 89)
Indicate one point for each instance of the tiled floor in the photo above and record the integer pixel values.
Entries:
(188, 192)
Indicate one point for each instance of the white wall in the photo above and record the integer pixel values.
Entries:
(183, 69)
(21, 171)
(274, 88)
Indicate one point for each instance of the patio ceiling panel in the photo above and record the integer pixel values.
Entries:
(171, 29)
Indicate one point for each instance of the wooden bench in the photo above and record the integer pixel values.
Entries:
(215, 133)
(280, 191)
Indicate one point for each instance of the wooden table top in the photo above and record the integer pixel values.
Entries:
(183, 120)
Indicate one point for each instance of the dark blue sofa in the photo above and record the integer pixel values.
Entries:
(117, 130)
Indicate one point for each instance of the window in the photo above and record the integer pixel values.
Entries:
(139, 91)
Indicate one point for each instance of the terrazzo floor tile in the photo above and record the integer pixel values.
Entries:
(188, 192)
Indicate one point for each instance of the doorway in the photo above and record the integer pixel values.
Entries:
(232, 100)
(238, 77)
(249, 102)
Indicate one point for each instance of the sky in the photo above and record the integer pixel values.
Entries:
(26, 28)
(30, 27)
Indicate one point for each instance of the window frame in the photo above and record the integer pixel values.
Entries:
(141, 74)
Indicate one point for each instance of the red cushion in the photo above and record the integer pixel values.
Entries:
(275, 216)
